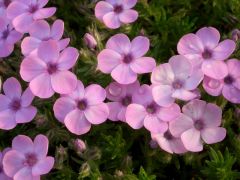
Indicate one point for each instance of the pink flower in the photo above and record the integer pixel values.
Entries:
(15, 106)
(205, 51)
(28, 159)
(169, 143)
(82, 108)
(90, 41)
(113, 13)
(3, 175)
(148, 114)
(8, 37)
(199, 122)
(122, 96)
(229, 86)
(123, 59)
(47, 70)
(41, 31)
(24, 12)
(175, 80)
(3, 6)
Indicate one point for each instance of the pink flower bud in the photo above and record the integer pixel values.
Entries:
(235, 35)
(79, 145)
(90, 41)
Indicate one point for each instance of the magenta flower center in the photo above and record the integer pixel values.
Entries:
(15, 105)
(177, 84)
(207, 54)
(6, 2)
(82, 104)
(31, 159)
(5, 34)
(199, 124)
(152, 108)
(118, 9)
(126, 101)
(168, 135)
(229, 80)
(127, 59)
(33, 8)
(52, 68)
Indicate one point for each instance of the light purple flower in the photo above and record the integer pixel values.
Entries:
(148, 114)
(24, 12)
(8, 37)
(15, 106)
(3, 7)
(229, 86)
(47, 70)
(124, 59)
(169, 143)
(82, 108)
(41, 31)
(205, 51)
(90, 41)
(113, 13)
(28, 159)
(122, 96)
(199, 122)
(3, 175)
(175, 80)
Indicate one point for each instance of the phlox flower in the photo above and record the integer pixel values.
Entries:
(121, 96)
(47, 70)
(3, 175)
(8, 37)
(3, 7)
(169, 143)
(24, 12)
(229, 86)
(15, 106)
(148, 114)
(205, 51)
(81, 108)
(41, 31)
(124, 59)
(175, 80)
(113, 13)
(28, 159)
(198, 123)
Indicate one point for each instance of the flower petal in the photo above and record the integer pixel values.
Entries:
(123, 74)
(68, 58)
(212, 115)
(162, 94)
(169, 113)
(215, 69)
(195, 109)
(27, 97)
(232, 94)
(135, 115)
(162, 74)
(57, 29)
(42, 3)
(22, 22)
(63, 43)
(24, 173)
(139, 46)
(191, 140)
(102, 8)
(97, 114)
(26, 114)
(143, 65)
(212, 86)
(194, 80)
(114, 108)
(224, 49)
(128, 16)
(14, 37)
(213, 135)
(40, 29)
(95, 94)
(44, 166)
(127, 4)
(41, 146)
(12, 88)
(184, 95)
(7, 120)
(44, 13)
(155, 125)
(23, 144)
(111, 20)
(29, 44)
(48, 51)
(15, 9)
(4, 102)
(209, 37)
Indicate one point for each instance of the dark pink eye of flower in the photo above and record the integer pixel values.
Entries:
(52, 68)
(33, 8)
(82, 105)
(168, 135)
(199, 124)
(15, 105)
(5, 34)
(228, 80)
(127, 58)
(31, 159)
(207, 54)
(177, 84)
(151, 108)
(126, 100)
(118, 9)
(6, 2)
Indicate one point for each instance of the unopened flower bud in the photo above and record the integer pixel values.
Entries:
(84, 170)
(153, 144)
(90, 41)
(79, 145)
(61, 156)
(235, 35)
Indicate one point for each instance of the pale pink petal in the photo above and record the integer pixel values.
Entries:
(224, 49)
(13, 37)
(37, 89)
(212, 115)
(22, 22)
(122, 114)
(62, 107)
(143, 95)
(163, 142)
(7, 120)
(180, 125)
(40, 29)
(111, 20)
(139, 46)
(79, 92)
(63, 82)
(12, 88)
(97, 114)
(108, 60)
(40, 146)
(43, 167)
(57, 29)
(29, 44)
(95, 94)
(114, 108)
(102, 8)
(231, 93)
(116, 91)
(209, 37)
(215, 69)
(26, 114)
(42, 3)
(15, 9)
(127, 4)
(162, 94)
(213, 135)
(63, 43)
(119, 43)
(190, 44)
(192, 140)
(195, 109)
(194, 80)
(212, 86)
(27, 97)
(67, 58)
(143, 65)
(44, 13)
(181, 66)
(233, 67)
(155, 125)
(123, 74)
(135, 115)
(162, 74)
(25, 173)
(169, 113)
(4, 102)
(76, 122)
(23, 144)
(128, 16)
(177, 146)
(48, 51)
(184, 95)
